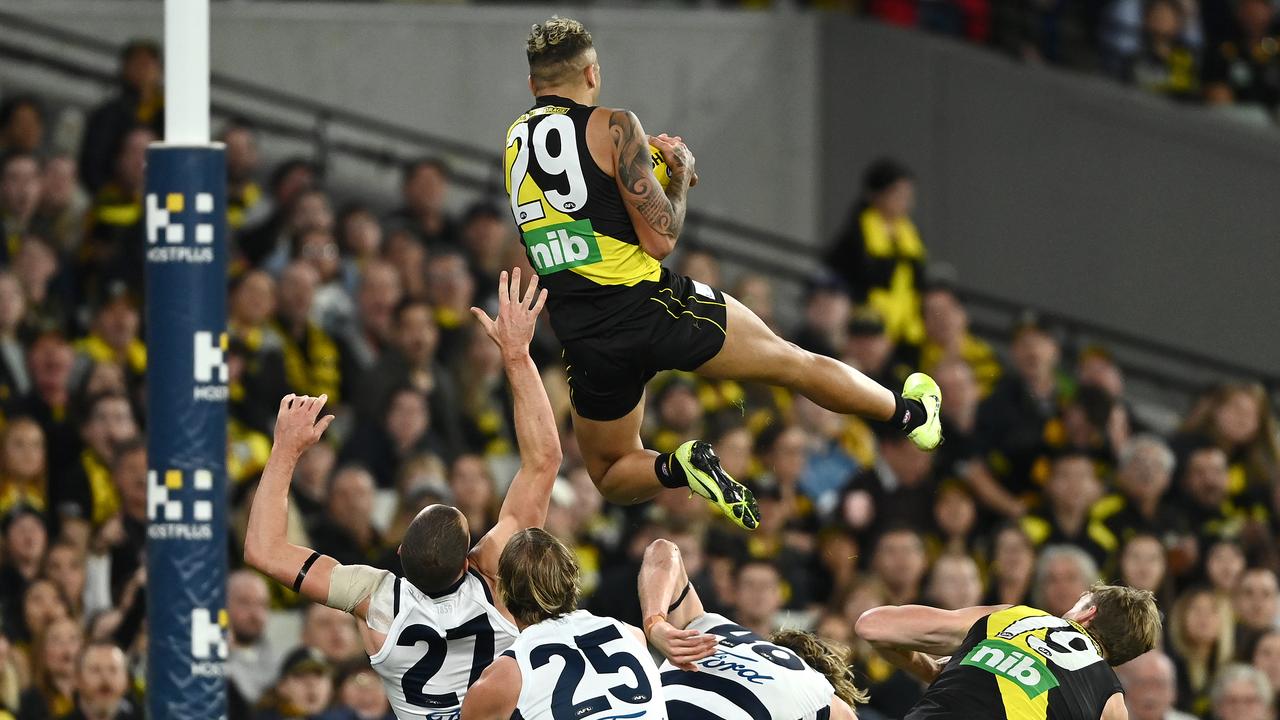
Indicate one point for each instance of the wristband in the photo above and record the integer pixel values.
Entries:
(652, 620)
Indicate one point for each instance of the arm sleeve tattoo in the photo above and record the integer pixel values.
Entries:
(663, 211)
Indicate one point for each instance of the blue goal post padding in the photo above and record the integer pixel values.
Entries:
(185, 208)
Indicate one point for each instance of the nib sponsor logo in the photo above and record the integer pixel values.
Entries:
(1012, 663)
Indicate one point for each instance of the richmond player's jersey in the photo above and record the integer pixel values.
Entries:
(1021, 664)
(748, 678)
(572, 219)
(438, 645)
(584, 667)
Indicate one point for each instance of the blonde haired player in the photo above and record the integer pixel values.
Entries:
(567, 664)
(1002, 661)
(596, 223)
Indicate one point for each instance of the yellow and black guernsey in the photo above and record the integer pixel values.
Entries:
(1021, 664)
(572, 219)
(620, 315)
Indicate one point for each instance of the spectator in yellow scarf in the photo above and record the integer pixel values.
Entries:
(880, 254)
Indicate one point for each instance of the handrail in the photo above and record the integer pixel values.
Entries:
(383, 156)
(696, 220)
(1122, 337)
(290, 101)
(368, 152)
(254, 90)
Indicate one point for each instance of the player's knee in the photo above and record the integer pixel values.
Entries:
(661, 553)
(599, 471)
(598, 468)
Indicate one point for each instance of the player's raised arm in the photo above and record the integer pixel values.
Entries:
(526, 502)
(668, 603)
(657, 215)
(265, 546)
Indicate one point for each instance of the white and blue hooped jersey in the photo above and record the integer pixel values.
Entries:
(584, 667)
(748, 678)
(437, 645)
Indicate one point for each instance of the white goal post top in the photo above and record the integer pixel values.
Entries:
(186, 72)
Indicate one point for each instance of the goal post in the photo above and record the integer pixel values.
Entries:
(185, 212)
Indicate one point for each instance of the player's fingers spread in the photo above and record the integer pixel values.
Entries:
(531, 292)
(504, 288)
(324, 424)
(515, 284)
(284, 402)
(542, 300)
(320, 403)
(483, 318)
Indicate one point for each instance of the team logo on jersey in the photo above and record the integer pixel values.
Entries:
(553, 248)
(1012, 663)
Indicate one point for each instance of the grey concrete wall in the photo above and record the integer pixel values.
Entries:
(1066, 191)
(739, 87)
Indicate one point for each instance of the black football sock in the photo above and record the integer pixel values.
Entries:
(669, 472)
(908, 414)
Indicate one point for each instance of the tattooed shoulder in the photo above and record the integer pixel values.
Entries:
(635, 175)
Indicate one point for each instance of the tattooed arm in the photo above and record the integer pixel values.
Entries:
(657, 216)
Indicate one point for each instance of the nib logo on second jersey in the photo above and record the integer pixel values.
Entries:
(1012, 663)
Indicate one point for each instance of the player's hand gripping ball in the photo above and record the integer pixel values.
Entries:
(660, 168)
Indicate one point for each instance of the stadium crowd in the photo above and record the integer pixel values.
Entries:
(1221, 53)
(1047, 480)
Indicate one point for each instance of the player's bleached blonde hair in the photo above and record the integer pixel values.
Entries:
(537, 577)
(555, 49)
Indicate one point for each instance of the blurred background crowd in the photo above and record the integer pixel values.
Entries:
(1047, 482)
(1221, 53)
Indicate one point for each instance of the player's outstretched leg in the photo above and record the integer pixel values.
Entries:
(626, 473)
(752, 352)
